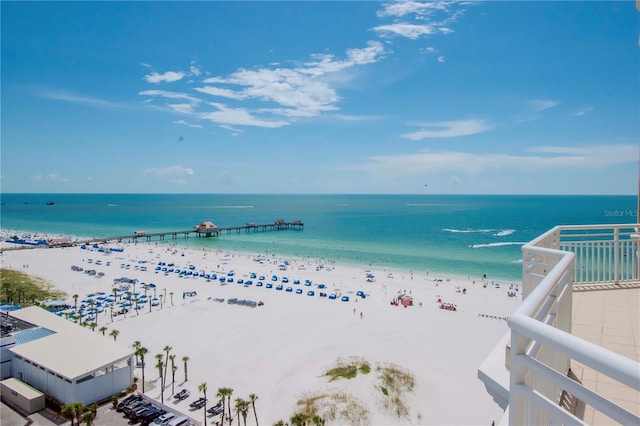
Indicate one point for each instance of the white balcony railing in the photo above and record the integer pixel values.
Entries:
(542, 345)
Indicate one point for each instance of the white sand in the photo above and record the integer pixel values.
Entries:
(279, 351)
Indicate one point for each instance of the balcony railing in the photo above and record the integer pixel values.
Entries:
(542, 345)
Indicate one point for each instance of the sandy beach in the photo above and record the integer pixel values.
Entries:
(281, 349)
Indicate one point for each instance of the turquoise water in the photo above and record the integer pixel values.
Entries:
(454, 234)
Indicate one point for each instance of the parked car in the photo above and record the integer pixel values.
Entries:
(164, 419)
(151, 415)
(126, 401)
(133, 406)
(135, 412)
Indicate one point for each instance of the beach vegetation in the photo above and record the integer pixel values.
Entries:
(348, 368)
(395, 382)
(18, 288)
(337, 406)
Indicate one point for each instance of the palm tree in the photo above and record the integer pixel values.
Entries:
(244, 410)
(93, 408)
(185, 359)
(140, 352)
(203, 388)
(172, 358)
(79, 409)
(89, 417)
(135, 346)
(160, 297)
(111, 312)
(68, 411)
(159, 366)
(222, 394)
(229, 393)
(75, 301)
(166, 349)
(171, 297)
(93, 325)
(114, 333)
(317, 420)
(238, 407)
(102, 329)
(136, 300)
(252, 399)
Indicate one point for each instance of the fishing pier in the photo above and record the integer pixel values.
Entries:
(204, 230)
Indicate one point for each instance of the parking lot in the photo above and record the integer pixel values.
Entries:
(106, 416)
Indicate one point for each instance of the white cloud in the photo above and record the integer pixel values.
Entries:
(449, 129)
(541, 105)
(582, 111)
(170, 171)
(195, 70)
(184, 123)
(53, 177)
(169, 95)
(591, 155)
(417, 19)
(233, 130)
(66, 96)
(238, 117)
(182, 108)
(217, 91)
(167, 77)
(403, 8)
(304, 90)
(300, 91)
(411, 31)
(455, 180)
(541, 158)
(441, 59)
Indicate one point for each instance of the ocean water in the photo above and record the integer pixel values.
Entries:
(462, 235)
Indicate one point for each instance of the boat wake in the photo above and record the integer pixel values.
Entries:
(506, 243)
(466, 231)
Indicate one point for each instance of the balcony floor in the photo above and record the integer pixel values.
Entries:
(611, 319)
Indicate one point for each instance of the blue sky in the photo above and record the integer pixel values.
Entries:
(320, 97)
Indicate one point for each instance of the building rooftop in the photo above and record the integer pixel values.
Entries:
(11, 325)
(609, 318)
(72, 351)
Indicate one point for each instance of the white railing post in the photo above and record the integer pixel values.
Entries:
(542, 345)
(518, 405)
